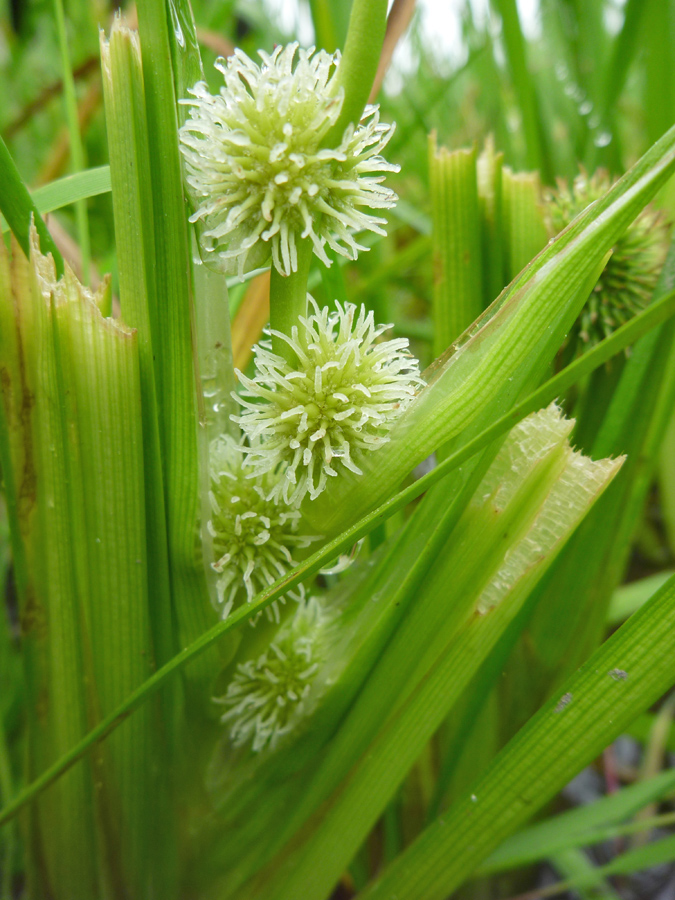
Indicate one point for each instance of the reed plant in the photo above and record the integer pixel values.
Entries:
(306, 599)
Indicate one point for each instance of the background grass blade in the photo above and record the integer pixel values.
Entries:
(19, 209)
(76, 146)
(579, 827)
(67, 190)
(536, 138)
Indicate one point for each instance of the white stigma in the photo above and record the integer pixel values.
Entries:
(309, 422)
(253, 538)
(257, 171)
(270, 695)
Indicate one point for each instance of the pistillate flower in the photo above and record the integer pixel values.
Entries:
(269, 695)
(347, 389)
(253, 538)
(259, 174)
(629, 278)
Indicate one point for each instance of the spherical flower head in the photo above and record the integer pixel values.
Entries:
(253, 538)
(630, 276)
(257, 171)
(306, 421)
(269, 696)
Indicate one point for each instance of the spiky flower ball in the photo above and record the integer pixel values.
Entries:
(258, 172)
(253, 538)
(630, 276)
(270, 695)
(308, 421)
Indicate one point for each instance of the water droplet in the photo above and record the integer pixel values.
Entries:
(618, 675)
(564, 701)
(602, 139)
(585, 108)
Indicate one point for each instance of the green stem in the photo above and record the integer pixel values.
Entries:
(76, 148)
(360, 58)
(6, 790)
(288, 299)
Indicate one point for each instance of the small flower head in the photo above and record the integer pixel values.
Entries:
(258, 173)
(630, 276)
(306, 422)
(253, 538)
(270, 695)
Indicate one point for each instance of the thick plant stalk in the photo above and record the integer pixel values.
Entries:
(63, 825)
(524, 230)
(489, 168)
(77, 474)
(457, 261)
(99, 361)
(175, 350)
(132, 206)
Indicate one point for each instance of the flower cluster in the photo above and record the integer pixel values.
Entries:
(253, 538)
(269, 695)
(629, 278)
(304, 422)
(259, 174)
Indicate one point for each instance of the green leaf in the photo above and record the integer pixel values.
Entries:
(538, 154)
(67, 190)
(625, 46)
(570, 619)
(74, 136)
(504, 353)
(506, 538)
(19, 209)
(576, 868)
(582, 826)
(625, 676)
(628, 598)
(345, 541)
